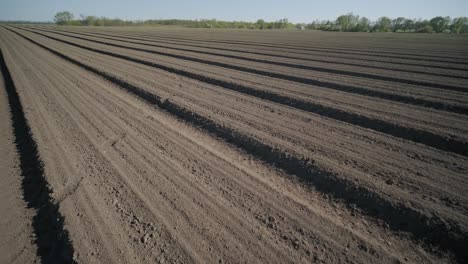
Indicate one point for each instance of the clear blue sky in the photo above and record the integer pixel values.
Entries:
(248, 10)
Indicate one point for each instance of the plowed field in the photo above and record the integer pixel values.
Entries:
(144, 145)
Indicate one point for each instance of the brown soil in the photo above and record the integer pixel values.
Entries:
(17, 237)
(156, 153)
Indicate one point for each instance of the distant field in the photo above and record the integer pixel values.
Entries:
(240, 146)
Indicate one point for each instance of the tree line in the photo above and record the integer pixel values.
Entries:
(345, 23)
(355, 23)
(67, 18)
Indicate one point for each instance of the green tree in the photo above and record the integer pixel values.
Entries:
(347, 22)
(261, 24)
(363, 25)
(439, 24)
(408, 25)
(383, 24)
(282, 23)
(420, 25)
(459, 25)
(398, 24)
(63, 18)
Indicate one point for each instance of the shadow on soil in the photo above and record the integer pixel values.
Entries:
(52, 239)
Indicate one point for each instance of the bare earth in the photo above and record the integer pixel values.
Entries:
(17, 238)
(209, 146)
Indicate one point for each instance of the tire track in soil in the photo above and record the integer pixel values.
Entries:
(52, 239)
(403, 132)
(431, 231)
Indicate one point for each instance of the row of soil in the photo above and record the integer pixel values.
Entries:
(100, 110)
(325, 65)
(52, 239)
(317, 107)
(324, 48)
(436, 68)
(279, 56)
(361, 85)
(306, 169)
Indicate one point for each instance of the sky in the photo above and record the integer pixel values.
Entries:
(297, 11)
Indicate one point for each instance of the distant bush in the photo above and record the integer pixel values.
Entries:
(425, 29)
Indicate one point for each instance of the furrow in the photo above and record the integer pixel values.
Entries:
(52, 239)
(291, 65)
(309, 81)
(398, 216)
(407, 133)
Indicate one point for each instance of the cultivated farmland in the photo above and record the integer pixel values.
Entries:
(143, 145)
